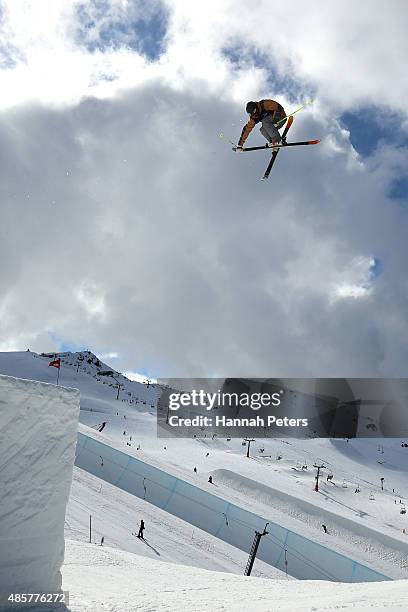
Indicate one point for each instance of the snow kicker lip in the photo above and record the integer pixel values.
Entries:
(307, 560)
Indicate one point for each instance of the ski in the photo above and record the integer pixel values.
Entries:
(275, 153)
(281, 145)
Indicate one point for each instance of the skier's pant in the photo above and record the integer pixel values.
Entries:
(269, 130)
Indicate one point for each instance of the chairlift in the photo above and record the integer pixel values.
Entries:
(403, 510)
(371, 497)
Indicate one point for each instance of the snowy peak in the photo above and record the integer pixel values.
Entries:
(97, 381)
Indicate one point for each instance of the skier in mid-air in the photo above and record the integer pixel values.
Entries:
(269, 112)
(273, 117)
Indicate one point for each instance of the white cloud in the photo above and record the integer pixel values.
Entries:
(126, 222)
(351, 291)
(349, 57)
(91, 298)
(351, 54)
(141, 378)
(357, 281)
(110, 355)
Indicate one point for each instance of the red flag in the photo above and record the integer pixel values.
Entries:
(56, 363)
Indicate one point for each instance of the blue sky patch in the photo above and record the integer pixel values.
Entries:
(140, 29)
(277, 81)
(8, 57)
(370, 127)
(399, 189)
(63, 346)
(376, 268)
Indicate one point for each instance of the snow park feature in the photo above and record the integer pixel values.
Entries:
(308, 560)
(38, 429)
(190, 567)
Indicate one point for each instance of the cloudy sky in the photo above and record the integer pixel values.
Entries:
(127, 226)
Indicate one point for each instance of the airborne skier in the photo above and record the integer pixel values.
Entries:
(270, 113)
(273, 117)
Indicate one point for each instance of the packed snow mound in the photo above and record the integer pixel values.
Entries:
(38, 433)
(101, 578)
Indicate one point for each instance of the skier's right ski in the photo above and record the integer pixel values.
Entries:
(275, 153)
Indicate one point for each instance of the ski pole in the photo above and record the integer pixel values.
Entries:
(294, 112)
(223, 137)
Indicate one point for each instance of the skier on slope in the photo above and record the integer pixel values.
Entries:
(268, 112)
(141, 529)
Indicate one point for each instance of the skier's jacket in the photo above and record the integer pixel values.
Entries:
(263, 108)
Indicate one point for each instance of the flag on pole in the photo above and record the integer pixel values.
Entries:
(56, 363)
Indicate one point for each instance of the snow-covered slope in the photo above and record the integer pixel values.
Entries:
(283, 548)
(366, 525)
(117, 514)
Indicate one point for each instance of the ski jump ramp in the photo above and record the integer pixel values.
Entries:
(306, 560)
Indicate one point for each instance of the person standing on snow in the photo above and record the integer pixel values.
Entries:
(141, 529)
(268, 112)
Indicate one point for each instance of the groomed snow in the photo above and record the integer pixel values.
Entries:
(303, 558)
(99, 578)
(116, 514)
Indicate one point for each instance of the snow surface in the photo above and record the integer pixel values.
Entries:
(116, 514)
(367, 526)
(38, 430)
(99, 578)
(303, 558)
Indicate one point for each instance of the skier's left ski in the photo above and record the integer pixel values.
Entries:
(275, 153)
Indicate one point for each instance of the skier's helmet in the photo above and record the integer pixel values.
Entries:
(251, 108)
